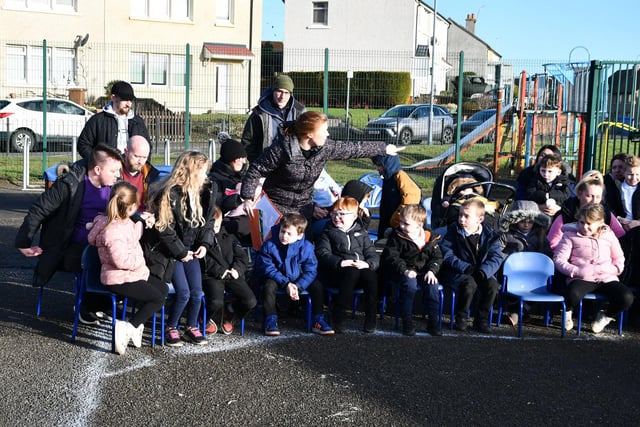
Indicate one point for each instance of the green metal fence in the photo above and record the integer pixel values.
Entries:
(186, 101)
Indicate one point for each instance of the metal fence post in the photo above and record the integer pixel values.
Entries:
(167, 151)
(74, 149)
(212, 149)
(25, 167)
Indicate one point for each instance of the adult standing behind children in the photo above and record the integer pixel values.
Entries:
(275, 106)
(472, 256)
(529, 173)
(115, 124)
(62, 213)
(294, 162)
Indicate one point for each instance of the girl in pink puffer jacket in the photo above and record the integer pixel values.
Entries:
(124, 271)
(590, 257)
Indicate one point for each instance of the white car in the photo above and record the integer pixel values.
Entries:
(21, 122)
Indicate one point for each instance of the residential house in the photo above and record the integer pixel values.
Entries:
(92, 42)
(367, 35)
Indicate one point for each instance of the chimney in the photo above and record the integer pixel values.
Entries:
(471, 23)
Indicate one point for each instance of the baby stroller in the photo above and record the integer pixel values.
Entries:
(478, 181)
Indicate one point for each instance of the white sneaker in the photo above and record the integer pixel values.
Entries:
(122, 336)
(601, 322)
(568, 321)
(136, 334)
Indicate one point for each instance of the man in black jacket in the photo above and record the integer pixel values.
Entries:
(115, 124)
(63, 211)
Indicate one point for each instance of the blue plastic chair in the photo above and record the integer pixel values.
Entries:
(527, 276)
(357, 293)
(599, 298)
(281, 292)
(90, 282)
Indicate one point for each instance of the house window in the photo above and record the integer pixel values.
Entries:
(158, 69)
(24, 65)
(422, 50)
(43, 5)
(138, 68)
(175, 10)
(321, 13)
(224, 11)
(178, 70)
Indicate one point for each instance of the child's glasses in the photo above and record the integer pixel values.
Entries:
(341, 213)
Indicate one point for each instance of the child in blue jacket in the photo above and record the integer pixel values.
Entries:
(288, 261)
(472, 256)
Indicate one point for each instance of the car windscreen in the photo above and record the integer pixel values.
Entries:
(403, 111)
(4, 103)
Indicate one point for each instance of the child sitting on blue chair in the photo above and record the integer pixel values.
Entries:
(413, 258)
(287, 261)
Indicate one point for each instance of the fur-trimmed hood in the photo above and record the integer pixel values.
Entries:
(524, 209)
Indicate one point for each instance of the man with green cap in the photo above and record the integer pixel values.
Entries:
(275, 106)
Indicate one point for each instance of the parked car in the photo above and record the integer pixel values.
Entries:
(21, 122)
(406, 124)
(476, 120)
(471, 85)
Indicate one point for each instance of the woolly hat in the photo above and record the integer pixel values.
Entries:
(231, 150)
(283, 82)
(356, 189)
(524, 209)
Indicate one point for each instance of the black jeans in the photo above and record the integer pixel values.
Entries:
(152, 294)
(487, 291)
(620, 297)
(243, 297)
(349, 278)
(316, 292)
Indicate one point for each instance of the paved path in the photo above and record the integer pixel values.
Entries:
(297, 379)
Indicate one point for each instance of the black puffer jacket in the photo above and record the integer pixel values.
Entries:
(225, 253)
(334, 245)
(226, 178)
(103, 127)
(401, 254)
(193, 237)
(55, 211)
(290, 175)
(559, 190)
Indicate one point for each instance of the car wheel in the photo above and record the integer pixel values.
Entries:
(405, 136)
(22, 138)
(491, 138)
(447, 136)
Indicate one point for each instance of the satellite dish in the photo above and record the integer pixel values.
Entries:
(84, 40)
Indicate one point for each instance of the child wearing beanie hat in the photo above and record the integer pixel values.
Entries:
(231, 150)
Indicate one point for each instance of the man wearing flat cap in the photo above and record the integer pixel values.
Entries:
(275, 106)
(115, 124)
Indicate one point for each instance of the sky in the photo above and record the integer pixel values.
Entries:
(566, 30)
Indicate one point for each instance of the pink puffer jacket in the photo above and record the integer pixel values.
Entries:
(588, 258)
(119, 249)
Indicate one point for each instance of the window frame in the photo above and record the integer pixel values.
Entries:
(320, 8)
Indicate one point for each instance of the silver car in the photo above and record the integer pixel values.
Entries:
(407, 124)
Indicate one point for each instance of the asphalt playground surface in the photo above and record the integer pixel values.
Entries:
(298, 379)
